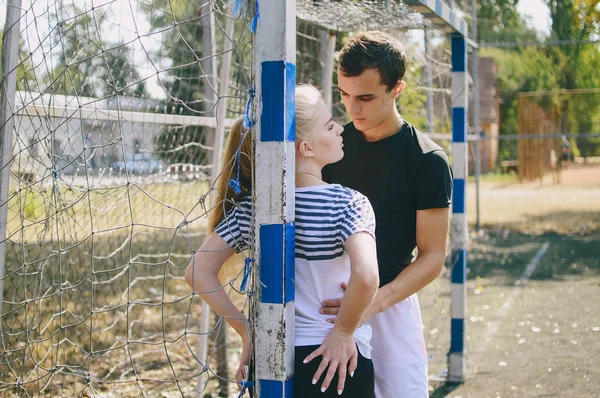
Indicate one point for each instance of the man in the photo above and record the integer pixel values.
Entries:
(408, 180)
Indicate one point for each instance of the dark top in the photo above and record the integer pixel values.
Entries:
(399, 174)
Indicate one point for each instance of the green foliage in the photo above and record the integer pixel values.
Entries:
(88, 65)
(24, 68)
(570, 66)
(412, 101)
(527, 69)
(499, 21)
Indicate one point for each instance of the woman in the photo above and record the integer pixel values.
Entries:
(335, 229)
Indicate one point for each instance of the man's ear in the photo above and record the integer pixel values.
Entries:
(399, 88)
(304, 149)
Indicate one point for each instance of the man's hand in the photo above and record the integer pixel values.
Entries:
(332, 307)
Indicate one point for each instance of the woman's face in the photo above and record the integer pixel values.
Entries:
(325, 139)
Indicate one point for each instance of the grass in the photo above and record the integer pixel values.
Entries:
(94, 296)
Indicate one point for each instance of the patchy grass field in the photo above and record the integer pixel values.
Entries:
(538, 337)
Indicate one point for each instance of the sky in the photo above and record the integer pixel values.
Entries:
(540, 17)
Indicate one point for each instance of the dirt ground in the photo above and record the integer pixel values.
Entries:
(536, 336)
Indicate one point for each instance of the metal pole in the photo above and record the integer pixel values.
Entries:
(429, 83)
(477, 175)
(483, 147)
(10, 57)
(457, 364)
(327, 51)
(274, 190)
(223, 87)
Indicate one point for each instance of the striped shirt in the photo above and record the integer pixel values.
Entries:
(326, 216)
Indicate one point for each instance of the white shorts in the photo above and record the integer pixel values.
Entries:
(399, 354)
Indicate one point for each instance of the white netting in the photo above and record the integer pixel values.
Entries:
(118, 109)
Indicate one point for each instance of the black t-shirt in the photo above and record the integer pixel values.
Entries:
(399, 174)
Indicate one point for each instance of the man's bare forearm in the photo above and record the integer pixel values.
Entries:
(413, 278)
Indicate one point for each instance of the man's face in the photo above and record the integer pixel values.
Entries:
(368, 102)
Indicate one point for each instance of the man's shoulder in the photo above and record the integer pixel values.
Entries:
(419, 142)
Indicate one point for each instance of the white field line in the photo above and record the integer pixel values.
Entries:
(493, 326)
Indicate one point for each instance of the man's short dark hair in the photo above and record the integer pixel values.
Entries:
(374, 50)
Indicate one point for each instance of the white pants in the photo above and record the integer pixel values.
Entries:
(399, 354)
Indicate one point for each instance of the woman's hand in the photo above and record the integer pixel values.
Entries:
(241, 374)
(338, 353)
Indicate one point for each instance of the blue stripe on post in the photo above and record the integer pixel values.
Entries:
(290, 102)
(459, 268)
(276, 388)
(271, 263)
(273, 101)
(458, 196)
(459, 54)
(438, 7)
(290, 249)
(459, 132)
(457, 327)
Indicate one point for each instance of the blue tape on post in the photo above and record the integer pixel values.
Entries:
(458, 196)
(290, 249)
(290, 102)
(271, 263)
(459, 268)
(459, 54)
(277, 77)
(459, 131)
(275, 388)
(457, 327)
(273, 102)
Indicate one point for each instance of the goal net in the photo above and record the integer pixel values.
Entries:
(118, 120)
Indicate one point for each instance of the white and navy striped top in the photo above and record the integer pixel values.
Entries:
(326, 216)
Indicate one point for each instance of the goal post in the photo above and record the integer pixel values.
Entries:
(274, 191)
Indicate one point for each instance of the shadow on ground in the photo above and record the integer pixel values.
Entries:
(504, 255)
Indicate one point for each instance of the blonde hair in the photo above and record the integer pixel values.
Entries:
(226, 195)
(307, 99)
(239, 139)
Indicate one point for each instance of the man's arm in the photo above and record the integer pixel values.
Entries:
(432, 232)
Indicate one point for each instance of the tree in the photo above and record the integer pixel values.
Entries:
(499, 21)
(24, 68)
(88, 65)
(188, 59)
(577, 20)
(521, 70)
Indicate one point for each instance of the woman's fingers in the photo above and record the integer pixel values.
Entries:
(341, 378)
(240, 376)
(313, 355)
(322, 366)
(333, 367)
(353, 364)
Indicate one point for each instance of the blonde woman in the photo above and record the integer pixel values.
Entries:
(335, 243)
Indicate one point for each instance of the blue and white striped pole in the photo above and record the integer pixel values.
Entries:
(457, 364)
(274, 192)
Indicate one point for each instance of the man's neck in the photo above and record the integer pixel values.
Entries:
(385, 129)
